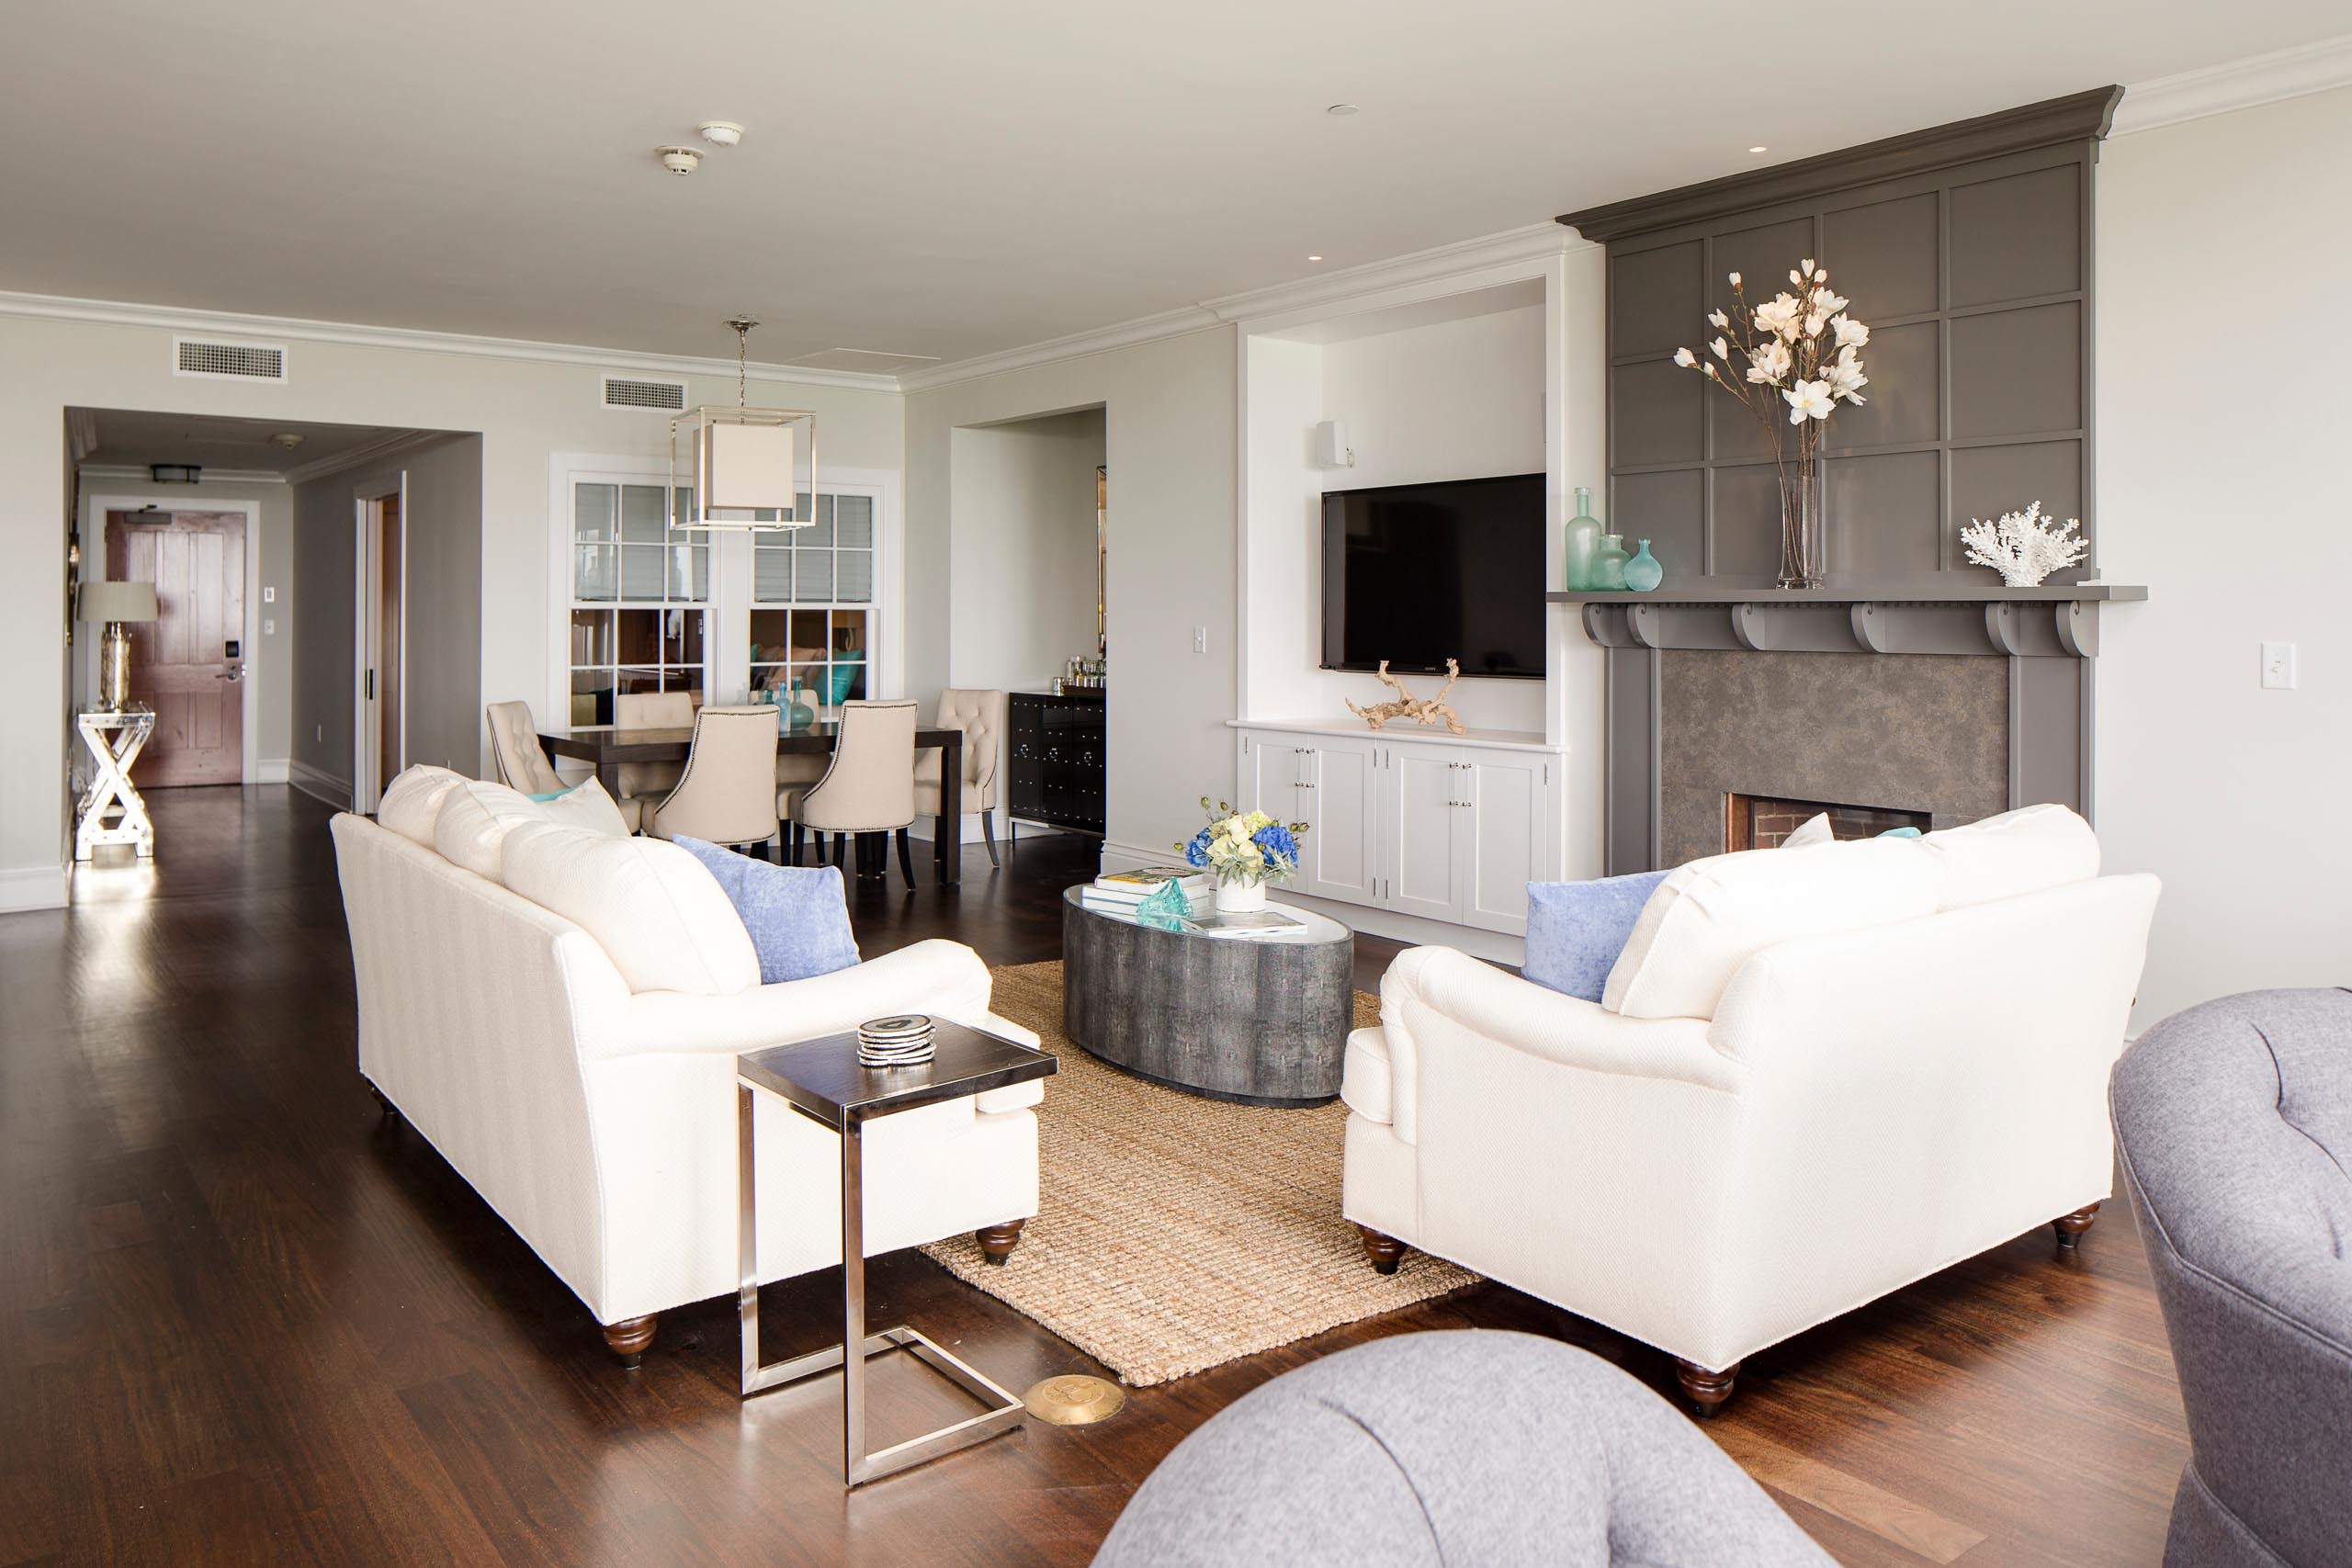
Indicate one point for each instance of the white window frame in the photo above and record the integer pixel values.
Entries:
(871, 608)
(726, 627)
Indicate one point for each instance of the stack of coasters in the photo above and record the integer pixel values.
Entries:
(898, 1042)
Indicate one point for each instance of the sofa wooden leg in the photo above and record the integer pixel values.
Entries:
(997, 1242)
(383, 1103)
(2070, 1227)
(1706, 1390)
(630, 1335)
(1386, 1251)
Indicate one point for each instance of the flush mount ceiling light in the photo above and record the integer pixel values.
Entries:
(290, 439)
(176, 473)
(678, 159)
(720, 133)
(1342, 110)
(1315, 258)
(748, 467)
(1760, 149)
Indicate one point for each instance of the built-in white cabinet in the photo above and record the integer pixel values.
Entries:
(1445, 830)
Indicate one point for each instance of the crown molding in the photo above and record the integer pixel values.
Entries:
(2236, 84)
(118, 473)
(227, 323)
(397, 444)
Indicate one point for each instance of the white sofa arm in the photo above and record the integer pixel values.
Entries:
(1429, 992)
(944, 978)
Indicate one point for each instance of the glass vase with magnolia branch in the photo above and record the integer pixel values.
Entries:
(1793, 361)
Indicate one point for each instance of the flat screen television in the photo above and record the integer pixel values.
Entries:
(1418, 574)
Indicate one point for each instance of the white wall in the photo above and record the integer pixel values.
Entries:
(1169, 413)
(269, 655)
(2224, 266)
(1022, 559)
(524, 410)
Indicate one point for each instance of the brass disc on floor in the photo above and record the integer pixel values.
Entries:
(1075, 1400)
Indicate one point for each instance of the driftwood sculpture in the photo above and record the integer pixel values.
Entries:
(1421, 710)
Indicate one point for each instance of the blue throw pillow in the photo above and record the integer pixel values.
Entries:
(1576, 930)
(798, 918)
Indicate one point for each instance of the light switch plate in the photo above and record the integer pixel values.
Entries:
(2277, 666)
(1200, 640)
(268, 595)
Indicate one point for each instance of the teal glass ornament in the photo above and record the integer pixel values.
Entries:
(1642, 571)
(1165, 908)
(1609, 565)
(1583, 544)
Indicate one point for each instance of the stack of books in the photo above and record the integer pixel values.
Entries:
(1118, 892)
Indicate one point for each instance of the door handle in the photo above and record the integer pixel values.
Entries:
(235, 673)
(371, 685)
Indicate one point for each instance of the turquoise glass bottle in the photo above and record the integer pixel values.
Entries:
(1583, 545)
(1642, 572)
(1609, 564)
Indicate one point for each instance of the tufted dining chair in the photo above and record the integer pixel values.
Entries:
(869, 789)
(726, 793)
(981, 716)
(649, 783)
(515, 743)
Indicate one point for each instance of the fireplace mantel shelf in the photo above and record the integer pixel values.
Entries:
(1898, 617)
(1841, 594)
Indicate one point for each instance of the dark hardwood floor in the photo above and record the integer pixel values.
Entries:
(249, 1321)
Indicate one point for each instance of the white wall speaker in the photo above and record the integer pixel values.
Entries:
(1331, 448)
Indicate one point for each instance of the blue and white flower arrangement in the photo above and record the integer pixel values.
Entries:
(1243, 851)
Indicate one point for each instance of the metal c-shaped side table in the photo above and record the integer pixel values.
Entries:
(822, 1080)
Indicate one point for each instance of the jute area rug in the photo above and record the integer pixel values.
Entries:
(1174, 1233)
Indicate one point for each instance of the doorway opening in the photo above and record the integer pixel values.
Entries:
(381, 655)
(188, 666)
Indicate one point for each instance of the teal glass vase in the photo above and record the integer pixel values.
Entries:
(1642, 571)
(1583, 545)
(1609, 564)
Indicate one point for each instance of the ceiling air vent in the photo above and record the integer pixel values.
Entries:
(228, 361)
(635, 392)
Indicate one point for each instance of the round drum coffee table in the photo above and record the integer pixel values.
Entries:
(1263, 1020)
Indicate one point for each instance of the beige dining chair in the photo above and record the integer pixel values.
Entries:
(649, 783)
(869, 790)
(981, 716)
(515, 744)
(727, 793)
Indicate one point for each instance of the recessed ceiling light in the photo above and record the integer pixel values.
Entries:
(720, 133)
(1315, 258)
(1760, 149)
(1343, 109)
(288, 439)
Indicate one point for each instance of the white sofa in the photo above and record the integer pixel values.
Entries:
(600, 1122)
(1807, 1123)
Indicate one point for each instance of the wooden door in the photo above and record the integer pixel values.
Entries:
(188, 664)
(389, 654)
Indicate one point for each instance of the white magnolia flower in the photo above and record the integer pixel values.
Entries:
(1821, 275)
(1809, 399)
(1814, 324)
(1845, 376)
(1721, 349)
(1798, 279)
(1717, 319)
(1828, 304)
(1851, 333)
(1780, 315)
(1807, 267)
(1767, 362)
(1735, 280)
(1685, 358)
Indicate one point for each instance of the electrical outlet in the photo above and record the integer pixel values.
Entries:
(268, 626)
(1200, 640)
(2277, 666)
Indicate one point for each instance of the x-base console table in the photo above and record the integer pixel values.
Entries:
(114, 741)
(822, 1080)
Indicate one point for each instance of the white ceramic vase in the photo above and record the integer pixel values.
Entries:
(1240, 897)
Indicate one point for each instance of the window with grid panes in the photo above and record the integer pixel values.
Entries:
(812, 603)
(640, 597)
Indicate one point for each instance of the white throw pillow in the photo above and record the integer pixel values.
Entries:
(474, 821)
(413, 802)
(2014, 854)
(657, 912)
(587, 806)
(1813, 829)
(1712, 915)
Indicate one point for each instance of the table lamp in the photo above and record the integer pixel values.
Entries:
(114, 605)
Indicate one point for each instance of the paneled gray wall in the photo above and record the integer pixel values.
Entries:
(1975, 279)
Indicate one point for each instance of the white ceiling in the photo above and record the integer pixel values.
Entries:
(932, 178)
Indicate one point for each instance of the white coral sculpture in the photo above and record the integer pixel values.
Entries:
(2024, 547)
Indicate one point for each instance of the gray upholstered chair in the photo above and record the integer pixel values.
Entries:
(726, 793)
(515, 745)
(869, 789)
(648, 782)
(1500, 1450)
(2233, 1123)
(981, 716)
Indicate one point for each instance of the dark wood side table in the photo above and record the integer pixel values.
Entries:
(822, 1080)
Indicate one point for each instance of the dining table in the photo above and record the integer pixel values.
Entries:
(607, 747)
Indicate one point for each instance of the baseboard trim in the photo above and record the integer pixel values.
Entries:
(319, 783)
(273, 770)
(32, 888)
